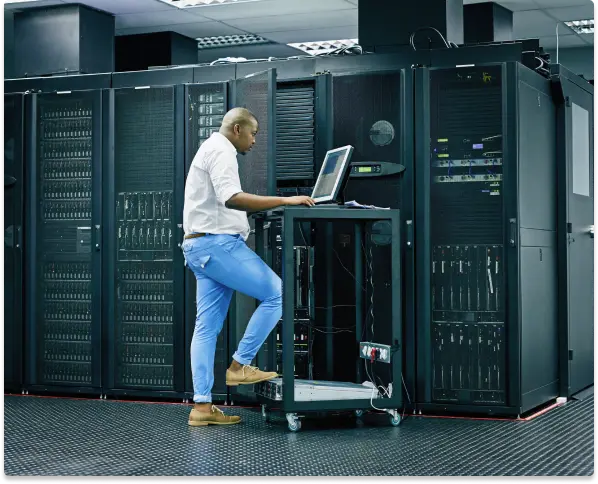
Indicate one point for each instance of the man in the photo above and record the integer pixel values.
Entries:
(216, 228)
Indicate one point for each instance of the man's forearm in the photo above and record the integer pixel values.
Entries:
(253, 203)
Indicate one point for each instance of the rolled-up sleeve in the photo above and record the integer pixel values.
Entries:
(224, 173)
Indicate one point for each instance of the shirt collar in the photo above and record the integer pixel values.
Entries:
(224, 141)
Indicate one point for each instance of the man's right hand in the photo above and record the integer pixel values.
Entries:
(300, 200)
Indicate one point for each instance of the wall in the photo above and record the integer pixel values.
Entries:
(579, 60)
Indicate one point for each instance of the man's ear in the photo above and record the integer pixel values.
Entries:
(237, 129)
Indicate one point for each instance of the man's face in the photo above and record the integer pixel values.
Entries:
(245, 136)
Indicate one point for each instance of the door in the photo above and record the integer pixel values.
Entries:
(63, 287)
(576, 224)
(13, 219)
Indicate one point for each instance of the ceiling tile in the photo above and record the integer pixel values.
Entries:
(270, 7)
(147, 19)
(532, 23)
(312, 35)
(565, 41)
(193, 30)
(279, 23)
(581, 12)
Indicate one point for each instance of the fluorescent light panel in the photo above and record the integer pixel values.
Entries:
(323, 46)
(230, 41)
(581, 26)
(203, 3)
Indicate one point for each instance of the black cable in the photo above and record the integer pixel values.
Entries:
(412, 37)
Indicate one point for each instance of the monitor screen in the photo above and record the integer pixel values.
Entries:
(330, 177)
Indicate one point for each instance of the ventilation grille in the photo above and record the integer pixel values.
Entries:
(295, 131)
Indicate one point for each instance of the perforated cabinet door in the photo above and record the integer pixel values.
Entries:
(145, 328)
(63, 239)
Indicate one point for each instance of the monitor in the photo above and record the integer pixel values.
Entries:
(333, 175)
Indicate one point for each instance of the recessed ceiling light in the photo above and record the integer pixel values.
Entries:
(324, 46)
(203, 3)
(581, 26)
(230, 41)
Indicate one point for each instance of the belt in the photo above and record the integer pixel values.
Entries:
(194, 236)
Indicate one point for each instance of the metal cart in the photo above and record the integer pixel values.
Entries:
(297, 397)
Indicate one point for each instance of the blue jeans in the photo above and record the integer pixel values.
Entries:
(223, 264)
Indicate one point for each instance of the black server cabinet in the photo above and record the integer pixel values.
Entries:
(13, 241)
(575, 144)
(205, 106)
(63, 289)
(143, 200)
(257, 171)
(373, 112)
(486, 239)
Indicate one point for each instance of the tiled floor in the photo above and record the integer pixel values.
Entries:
(57, 436)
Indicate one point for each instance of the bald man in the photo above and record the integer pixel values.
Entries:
(216, 228)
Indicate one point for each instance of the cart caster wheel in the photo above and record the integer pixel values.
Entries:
(395, 420)
(359, 413)
(295, 426)
(294, 422)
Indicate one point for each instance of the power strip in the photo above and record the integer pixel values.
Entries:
(374, 352)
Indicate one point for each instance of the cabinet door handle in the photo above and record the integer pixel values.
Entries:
(98, 237)
(513, 232)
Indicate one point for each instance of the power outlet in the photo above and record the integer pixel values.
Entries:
(374, 352)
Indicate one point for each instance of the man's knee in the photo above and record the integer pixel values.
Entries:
(274, 295)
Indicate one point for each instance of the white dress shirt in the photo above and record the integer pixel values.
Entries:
(212, 179)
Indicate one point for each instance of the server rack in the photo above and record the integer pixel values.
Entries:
(257, 171)
(575, 143)
(13, 242)
(205, 106)
(63, 290)
(143, 199)
(486, 239)
(378, 122)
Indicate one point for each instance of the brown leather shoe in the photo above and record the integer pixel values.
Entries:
(215, 417)
(248, 375)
